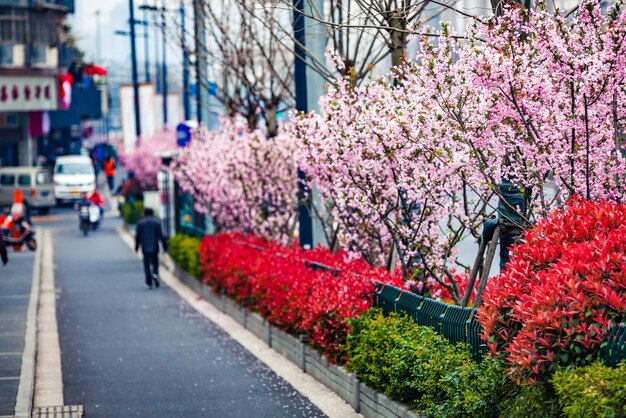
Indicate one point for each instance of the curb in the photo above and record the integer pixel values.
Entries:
(362, 399)
(26, 387)
(317, 393)
(48, 373)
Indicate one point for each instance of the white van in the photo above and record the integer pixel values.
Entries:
(73, 174)
(34, 182)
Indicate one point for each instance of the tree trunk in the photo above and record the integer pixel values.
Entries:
(482, 284)
(251, 117)
(398, 40)
(271, 121)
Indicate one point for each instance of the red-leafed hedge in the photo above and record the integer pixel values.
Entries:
(275, 281)
(565, 286)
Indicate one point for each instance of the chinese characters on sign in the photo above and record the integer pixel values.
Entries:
(26, 93)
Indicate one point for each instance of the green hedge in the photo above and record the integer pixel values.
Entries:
(132, 211)
(415, 365)
(592, 391)
(185, 250)
(530, 401)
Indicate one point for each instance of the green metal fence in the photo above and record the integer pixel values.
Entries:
(460, 324)
(457, 324)
(192, 230)
(613, 347)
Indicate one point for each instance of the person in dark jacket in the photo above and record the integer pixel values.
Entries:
(148, 235)
(3, 251)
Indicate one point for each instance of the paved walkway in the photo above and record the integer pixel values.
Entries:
(15, 286)
(128, 351)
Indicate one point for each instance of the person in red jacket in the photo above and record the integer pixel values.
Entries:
(96, 198)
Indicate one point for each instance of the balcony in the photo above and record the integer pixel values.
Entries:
(66, 6)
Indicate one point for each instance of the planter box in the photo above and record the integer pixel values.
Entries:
(259, 327)
(233, 309)
(287, 345)
(363, 399)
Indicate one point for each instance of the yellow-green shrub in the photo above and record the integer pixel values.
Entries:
(592, 391)
(185, 250)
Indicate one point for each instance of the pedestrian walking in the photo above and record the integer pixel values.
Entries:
(109, 172)
(148, 235)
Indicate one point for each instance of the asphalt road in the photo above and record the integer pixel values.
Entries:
(15, 285)
(131, 352)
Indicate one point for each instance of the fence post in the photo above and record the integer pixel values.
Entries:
(357, 393)
(303, 353)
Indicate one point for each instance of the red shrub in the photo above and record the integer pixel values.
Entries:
(276, 281)
(563, 289)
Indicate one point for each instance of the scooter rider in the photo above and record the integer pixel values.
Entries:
(96, 198)
(84, 201)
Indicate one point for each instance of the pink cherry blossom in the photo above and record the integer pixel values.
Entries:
(144, 162)
(245, 180)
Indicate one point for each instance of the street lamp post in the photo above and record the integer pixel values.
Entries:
(304, 215)
(186, 103)
(162, 10)
(202, 97)
(146, 36)
(146, 48)
(133, 53)
(98, 43)
(164, 66)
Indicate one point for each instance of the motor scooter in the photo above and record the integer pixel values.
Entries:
(89, 218)
(26, 237)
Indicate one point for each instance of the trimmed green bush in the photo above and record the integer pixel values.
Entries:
(415, 365)
(592, 391)
(132, 211)
(530, 401)
(185, 250)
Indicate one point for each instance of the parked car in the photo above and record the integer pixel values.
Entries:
(73, 175)
(35, 183)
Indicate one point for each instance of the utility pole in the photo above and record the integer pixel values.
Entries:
(202, 93)
(164, 68)
(183, 46)
(304, 193)
(133, 54)
(146, 47)
(98, 38)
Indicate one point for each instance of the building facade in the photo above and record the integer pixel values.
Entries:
(31, 56)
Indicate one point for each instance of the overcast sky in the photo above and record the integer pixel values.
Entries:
(113, 16)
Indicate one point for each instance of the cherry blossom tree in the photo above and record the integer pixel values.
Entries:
(144, 161)
(244, 179)
(555, 101)
(413, 164)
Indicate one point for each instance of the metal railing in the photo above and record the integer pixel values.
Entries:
(456, 323)
(460, 324)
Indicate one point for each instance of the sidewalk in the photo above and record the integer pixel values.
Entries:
(16, 281)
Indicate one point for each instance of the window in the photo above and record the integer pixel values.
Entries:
(7, 179)
(43, 177)
(12, 25)
(23, 180)
(73, 169)
(42, 28)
